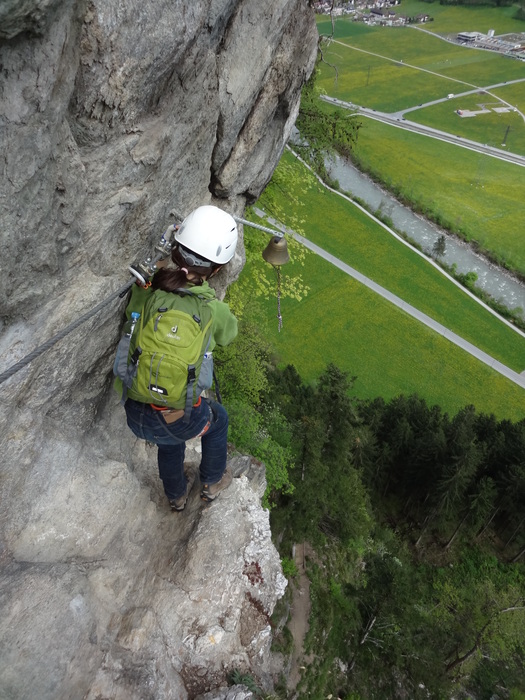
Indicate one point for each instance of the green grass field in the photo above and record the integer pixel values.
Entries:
(393, 68)
(462, 18)
(501, 129)
(492, 129)
(475, 195)
(343, 322)
(342, 229)
(370, 73)
(513, 94)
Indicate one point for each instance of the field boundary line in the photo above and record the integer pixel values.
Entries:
(445, 332)
(407, 65)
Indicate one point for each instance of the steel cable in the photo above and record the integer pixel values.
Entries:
(120, 292)
(55, 339)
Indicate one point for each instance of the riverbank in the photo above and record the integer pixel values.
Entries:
(500, 289)
(381, 345)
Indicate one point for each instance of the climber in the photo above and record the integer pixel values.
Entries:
(204, 243)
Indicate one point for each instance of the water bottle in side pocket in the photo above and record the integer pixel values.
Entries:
(121, 359)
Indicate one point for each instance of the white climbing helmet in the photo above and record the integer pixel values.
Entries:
(209, 232)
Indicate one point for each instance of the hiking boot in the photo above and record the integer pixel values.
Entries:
(179, 503)
(210, 491)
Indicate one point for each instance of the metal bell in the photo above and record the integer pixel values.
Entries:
(276, 252)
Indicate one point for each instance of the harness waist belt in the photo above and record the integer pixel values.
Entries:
(174, 410)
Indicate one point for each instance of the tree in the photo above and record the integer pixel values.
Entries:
(439, 247)
(480, 504)
(336, 411)
(325, 129)
(242, 365)
(482, 603)
(397, 640)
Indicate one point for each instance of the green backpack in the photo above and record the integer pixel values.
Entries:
(166, 358)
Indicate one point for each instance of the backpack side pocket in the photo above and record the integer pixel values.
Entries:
(120, 365)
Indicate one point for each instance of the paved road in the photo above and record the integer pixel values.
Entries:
(416, 313)
(398, 119)
(401, 123)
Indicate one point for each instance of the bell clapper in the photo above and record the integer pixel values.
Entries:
(279, 317)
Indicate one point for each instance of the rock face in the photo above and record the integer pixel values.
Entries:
(113, 114)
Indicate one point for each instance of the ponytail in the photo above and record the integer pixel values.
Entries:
(169, 280)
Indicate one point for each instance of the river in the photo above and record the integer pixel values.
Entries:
(501, 286)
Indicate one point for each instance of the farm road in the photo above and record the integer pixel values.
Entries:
(402, 123)
(299, 614)
(408, 65)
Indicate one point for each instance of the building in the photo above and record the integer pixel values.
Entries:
(469, 37)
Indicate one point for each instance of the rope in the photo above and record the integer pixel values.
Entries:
(4, 376)
(54, 340)
(279, 317)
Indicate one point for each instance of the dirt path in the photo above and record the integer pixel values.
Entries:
(299, 614)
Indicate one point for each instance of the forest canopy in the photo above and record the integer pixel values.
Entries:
(416, 519)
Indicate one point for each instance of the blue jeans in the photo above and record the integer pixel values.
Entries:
(209, 420)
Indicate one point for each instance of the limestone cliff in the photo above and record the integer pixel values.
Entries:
(112, 114)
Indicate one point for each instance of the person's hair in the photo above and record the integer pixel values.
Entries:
(169, 280)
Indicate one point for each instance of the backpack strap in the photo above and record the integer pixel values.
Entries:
(189, 389)
(131, 373)
(185, 292)
(189, 394)
(192, 377)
